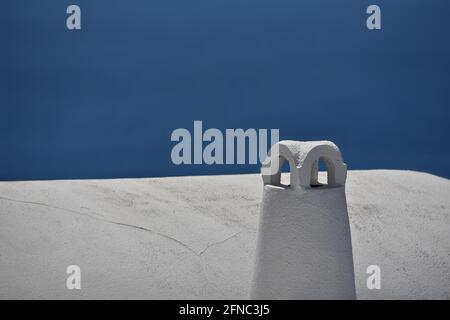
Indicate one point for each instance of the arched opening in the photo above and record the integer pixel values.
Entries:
(322, 173)
(285, 169)
(278, 173)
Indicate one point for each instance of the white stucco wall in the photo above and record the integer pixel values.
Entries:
(195, 237)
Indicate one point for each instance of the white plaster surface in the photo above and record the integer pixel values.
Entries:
(195, 237)
(303, 157)
(304, 248)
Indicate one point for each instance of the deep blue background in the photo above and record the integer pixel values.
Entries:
(103, 101)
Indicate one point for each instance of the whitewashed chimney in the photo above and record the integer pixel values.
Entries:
(304, 248)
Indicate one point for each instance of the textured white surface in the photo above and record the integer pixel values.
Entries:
(304, 248)
(195, 237)
(303, 157)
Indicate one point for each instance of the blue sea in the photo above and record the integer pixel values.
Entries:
(102, 102)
